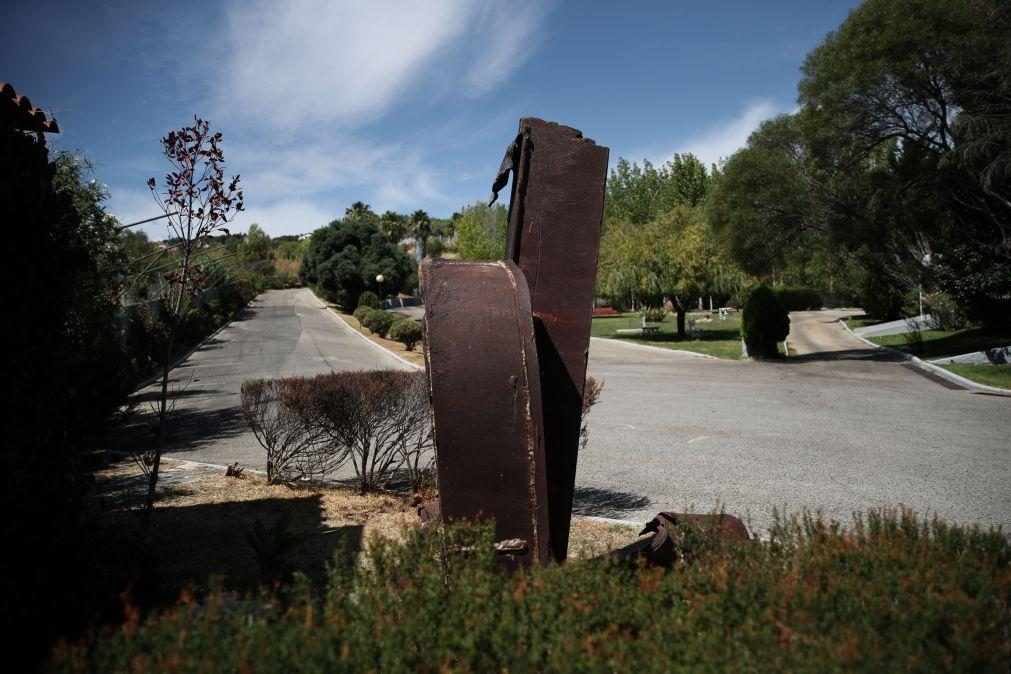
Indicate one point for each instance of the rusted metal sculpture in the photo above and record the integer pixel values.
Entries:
(507, 345)
(673, 535)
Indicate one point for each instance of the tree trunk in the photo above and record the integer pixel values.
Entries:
(680, 310)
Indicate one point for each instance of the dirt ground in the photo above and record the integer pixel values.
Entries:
(202, 518)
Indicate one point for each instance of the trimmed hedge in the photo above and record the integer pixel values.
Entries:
(378, 321)
(360, 312)
(407, 331)
(764, 323)
(894, 593)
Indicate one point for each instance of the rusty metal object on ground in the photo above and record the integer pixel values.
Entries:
(672, 533)
(555, 212)
(483, 372)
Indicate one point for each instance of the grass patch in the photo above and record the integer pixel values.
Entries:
(861, 322)
(947, 343)
(990, 375)
(892, 593)
(721, 338)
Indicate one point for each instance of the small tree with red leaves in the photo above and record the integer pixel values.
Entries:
(197, 203)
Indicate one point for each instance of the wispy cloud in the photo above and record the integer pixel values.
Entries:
(725, 138)
(509, 35)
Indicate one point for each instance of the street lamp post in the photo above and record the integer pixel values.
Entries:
(379, 279)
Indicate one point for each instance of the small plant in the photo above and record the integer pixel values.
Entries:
(653, 314)
(591, 394)
(271, 544)
(945, 313)
(407, 331)
(764, 323)
(914, 337)
(234, 470)
(360, 312)
(379, 321)
(368, 299)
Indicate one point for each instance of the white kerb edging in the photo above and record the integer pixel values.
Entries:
(633, 345)
(382, 348)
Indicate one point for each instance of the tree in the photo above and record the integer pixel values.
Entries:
(638, 195)
(359, 211)
(913, 96)
(197, 203)
(344, 258)
(481, 232)
(257, 246)
(393, 225)
(420, 228)
(672, 256)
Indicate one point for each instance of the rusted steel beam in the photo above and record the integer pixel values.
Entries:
(555, 211)
(674, 534)
(481, 358)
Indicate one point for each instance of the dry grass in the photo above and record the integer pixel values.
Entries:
(202, 517)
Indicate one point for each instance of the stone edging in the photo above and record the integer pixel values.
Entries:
(930, 367)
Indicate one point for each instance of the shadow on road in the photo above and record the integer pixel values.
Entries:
(606, 502)
(188, 429)
(866, 355)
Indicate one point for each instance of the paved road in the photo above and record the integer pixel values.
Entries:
(282, 333)
(841, 431)
(821, 332)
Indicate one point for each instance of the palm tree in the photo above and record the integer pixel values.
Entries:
(421, 229)
(393, 225)
(358, 211)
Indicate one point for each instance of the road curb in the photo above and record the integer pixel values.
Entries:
(933, 369)
(393, 354)
(676, 352)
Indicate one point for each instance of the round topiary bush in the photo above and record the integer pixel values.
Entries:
(764, 323)
(368, 299)
(360, 312)
(407, 331)
(378, 321)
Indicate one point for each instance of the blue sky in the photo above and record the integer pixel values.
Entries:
(403, 105)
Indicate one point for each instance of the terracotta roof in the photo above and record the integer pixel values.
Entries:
(16, 112)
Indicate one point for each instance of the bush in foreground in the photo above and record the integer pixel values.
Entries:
(893, 593)
(764, 323)
(360, 312)
(407, 331)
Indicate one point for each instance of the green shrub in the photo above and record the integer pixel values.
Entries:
(764, 323)
(379, 321)
(945, 313)
(360, 312)
(799, 299)
(891, 591)
(653, 314)
(407, 331)
(368, 299)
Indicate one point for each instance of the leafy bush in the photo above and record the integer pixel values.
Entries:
(945, 313)
(764, 323)
(271, 544)
(368, 299)
(591, 395)
(879, 297)
(653, 314)
(379, 321)
(892, 593)
(407, 331)
(360, 312)
(799, 299)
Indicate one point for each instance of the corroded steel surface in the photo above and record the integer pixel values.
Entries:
(675, 533)
(555, 213)
(482, 365)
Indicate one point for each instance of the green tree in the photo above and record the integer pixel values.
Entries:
(638, 195)
(393, 225)
(481, 232)
(344, 258)
(420, 227)
(359, 211)
(257, 245)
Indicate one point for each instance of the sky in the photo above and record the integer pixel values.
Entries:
(400, 104)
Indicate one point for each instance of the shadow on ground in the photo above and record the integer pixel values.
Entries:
(188, 429)
(866, 355)
(603, 502)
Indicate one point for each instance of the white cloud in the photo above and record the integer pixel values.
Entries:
(132, 205)
(296, 63)
(287, 216)
(725, 138)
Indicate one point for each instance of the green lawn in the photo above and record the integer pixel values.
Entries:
(861, 322)
(990, 375)
(721, 338)
(946, 343)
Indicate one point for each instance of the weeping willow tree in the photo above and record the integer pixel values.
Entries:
(673, 255)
